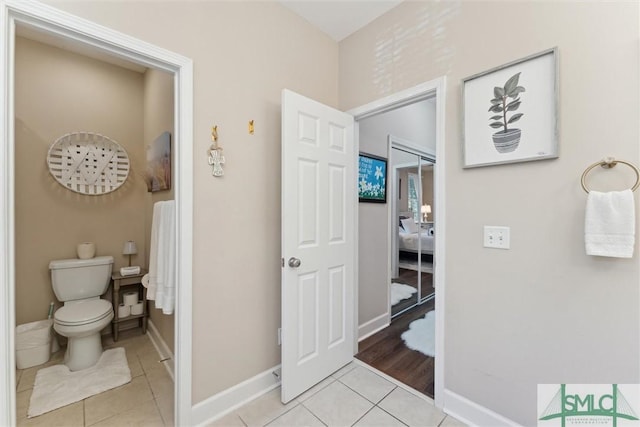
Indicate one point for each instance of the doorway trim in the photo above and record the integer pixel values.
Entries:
(56, 22)
(437, 88)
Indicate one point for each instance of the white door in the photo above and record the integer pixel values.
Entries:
(318, 217)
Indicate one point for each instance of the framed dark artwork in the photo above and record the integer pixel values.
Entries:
(372, 178)
(510, 113)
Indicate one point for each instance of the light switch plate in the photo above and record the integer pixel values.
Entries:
(497, 237)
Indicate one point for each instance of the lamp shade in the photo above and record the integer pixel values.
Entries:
(130, 248)
(426, 209)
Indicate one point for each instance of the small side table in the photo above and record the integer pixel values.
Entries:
(134, 280)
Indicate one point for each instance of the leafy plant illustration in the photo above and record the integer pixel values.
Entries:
(501, 104)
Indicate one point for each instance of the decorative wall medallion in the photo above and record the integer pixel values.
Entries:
(88, 163)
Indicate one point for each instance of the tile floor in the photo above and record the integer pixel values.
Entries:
(353, 396)
(146, 401)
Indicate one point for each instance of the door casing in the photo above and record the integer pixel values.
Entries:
(61, 24)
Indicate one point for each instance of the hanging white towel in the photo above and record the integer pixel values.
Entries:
(610, 224)
(162, 257)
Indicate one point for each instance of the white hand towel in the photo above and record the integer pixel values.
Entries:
(166, 281)
(609, 228)
(162, 257)
(153, 252)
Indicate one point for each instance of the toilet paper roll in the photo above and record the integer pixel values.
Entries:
(124, 311)
(137, 308)
(130, 298)
(86, 250)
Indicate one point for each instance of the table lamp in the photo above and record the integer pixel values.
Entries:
(130, 248)
(425, 210)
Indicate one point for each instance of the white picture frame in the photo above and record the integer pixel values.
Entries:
(528, 88)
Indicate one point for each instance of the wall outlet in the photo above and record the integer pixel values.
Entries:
(497, 237)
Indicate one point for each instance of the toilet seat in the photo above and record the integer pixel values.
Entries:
(83, 312)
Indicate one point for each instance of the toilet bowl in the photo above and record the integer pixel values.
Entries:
(79, 283)
(81, 322)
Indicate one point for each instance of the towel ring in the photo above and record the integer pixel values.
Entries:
(609, 163)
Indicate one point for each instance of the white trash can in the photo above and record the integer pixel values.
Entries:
(33, 343)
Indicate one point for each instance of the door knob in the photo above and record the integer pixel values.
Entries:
(294, 262)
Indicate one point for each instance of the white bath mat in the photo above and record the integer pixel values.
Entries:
(400, 291)
(56, 386)
(421, 334)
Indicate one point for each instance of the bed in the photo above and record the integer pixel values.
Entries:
(410, 233)
(408, 242)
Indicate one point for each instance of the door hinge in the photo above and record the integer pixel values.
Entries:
(282, 262)
(279, 336)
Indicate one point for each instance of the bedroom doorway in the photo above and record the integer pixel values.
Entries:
(405, 349)
(374, 226)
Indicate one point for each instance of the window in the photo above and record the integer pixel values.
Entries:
(412, 196)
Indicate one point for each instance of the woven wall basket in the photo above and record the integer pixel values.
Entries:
(88, 163)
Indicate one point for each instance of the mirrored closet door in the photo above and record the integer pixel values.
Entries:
(414, 232)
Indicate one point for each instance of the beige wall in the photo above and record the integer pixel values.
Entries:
(158, 118)
(244, 54)
(427, 190)
(58, 92)
(542, 312)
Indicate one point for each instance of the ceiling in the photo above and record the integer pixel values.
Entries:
(75, 46)
(340, 18)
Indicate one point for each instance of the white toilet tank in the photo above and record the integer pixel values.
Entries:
(74, 279)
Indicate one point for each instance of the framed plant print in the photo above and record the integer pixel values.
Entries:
(510, 113)
(372, 178)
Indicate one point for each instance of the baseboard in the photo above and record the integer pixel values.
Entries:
(372, 326)
(163, 349)
(472, 413)
(219, 405)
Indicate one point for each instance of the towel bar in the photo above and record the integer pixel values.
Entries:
(608, 163)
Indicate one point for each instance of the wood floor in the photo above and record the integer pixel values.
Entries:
(387, 352)
(410, 277)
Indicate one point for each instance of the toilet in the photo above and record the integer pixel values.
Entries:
(78, 283)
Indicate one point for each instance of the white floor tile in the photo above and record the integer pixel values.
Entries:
(378, 418)
(316, 388)
(367, 384)
(338, 405)
(144, 415)
(410, 409)
(449, 421)
(229, 420)
(67, 416)
(264, 409)
(347, 368)
(299, 417)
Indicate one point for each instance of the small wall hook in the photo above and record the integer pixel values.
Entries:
(214, 134)
(251, 127)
